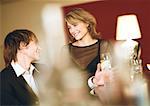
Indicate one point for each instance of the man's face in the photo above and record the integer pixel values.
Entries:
(32, 50)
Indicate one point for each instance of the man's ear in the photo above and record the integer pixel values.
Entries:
(23, 45)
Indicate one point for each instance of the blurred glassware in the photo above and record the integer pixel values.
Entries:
(136, 69)
(105, 60)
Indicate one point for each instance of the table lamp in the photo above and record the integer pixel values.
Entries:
(128, 29)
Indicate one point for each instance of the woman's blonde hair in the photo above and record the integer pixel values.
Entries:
(79, 14)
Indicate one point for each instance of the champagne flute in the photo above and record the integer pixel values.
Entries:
(105, 60)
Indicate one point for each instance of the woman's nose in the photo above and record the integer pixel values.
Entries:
(72, 30)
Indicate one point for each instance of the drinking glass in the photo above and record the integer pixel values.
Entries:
(136, 69)
(105, 60)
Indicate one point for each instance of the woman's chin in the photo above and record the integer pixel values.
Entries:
(77, 38)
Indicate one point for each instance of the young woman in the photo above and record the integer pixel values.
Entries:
(87, 50)
(85, 45)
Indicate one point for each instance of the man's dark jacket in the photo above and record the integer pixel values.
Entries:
(15, 90)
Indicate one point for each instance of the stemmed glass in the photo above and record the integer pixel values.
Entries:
(105, 60)
(136, 69)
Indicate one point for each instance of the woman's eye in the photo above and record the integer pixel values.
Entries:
(75, 25)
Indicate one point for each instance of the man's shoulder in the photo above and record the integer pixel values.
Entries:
(6, 71)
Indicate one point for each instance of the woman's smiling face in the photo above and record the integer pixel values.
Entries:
(78, 29)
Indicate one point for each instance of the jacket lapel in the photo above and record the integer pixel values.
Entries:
(22, 82)
(25, 85)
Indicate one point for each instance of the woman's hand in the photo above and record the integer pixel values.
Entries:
(102, 76)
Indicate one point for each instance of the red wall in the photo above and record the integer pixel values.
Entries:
(106, 13)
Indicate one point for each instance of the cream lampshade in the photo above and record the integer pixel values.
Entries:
(127, 27)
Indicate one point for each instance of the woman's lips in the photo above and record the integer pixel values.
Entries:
(76, 34)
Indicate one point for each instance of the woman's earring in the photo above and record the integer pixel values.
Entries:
(88, 27)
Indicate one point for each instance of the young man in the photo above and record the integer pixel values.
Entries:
(18, 86)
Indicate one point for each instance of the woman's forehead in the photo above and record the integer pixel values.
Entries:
(73, 21)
